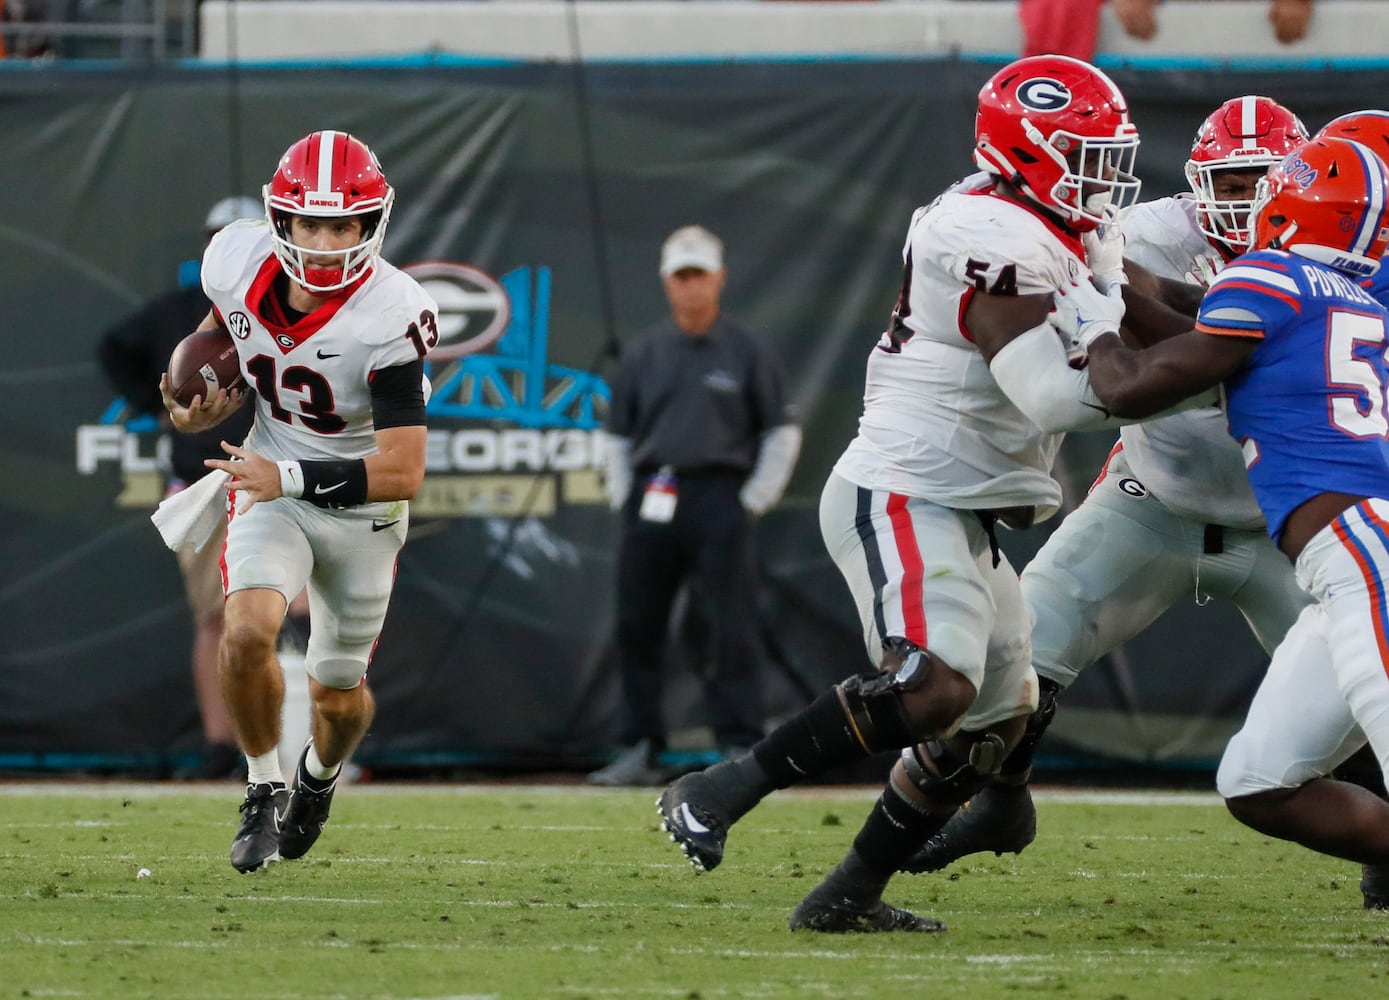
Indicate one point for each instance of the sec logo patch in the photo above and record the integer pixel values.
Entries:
(239, 325)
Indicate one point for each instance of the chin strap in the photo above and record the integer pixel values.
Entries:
(1281, 240)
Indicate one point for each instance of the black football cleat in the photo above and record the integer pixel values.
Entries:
(306, 814)
(1374, 886)
(1000, 818)
(257, 842)
(689, 813)
(829, 912)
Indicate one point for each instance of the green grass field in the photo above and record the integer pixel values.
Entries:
(519, 892)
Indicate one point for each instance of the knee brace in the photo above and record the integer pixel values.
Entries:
(1040, 719)
(341, 672)
(1018, 766)
(336, 660)
(874, 704)
(951, 779)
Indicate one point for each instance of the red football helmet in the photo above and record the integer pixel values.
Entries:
(1244, 133)
(1327, 201)
(1058, 129)
(1369, 128)
(328, 175)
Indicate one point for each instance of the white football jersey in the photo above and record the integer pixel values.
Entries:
(1162, 235)
(313, 378)
(1188, 460)
(935, 424)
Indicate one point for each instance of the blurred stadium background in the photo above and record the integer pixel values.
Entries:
(540, 150)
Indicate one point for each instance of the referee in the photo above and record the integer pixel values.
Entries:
(700, 440)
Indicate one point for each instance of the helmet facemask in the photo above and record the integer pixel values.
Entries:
(1273, 225)
(1225, 220)
(355, 260)
(1097, 174)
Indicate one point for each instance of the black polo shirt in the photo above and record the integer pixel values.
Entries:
(699, 403)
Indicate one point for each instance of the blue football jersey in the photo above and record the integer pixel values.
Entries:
(1378, 286)
(1308, 408)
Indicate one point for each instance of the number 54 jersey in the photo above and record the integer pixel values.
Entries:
(313, 377)
(935, 424)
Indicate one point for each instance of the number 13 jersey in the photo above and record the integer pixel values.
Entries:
(313, 377)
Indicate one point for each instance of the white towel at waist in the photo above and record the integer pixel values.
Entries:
(189, 518)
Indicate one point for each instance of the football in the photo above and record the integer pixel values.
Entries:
(202, 363)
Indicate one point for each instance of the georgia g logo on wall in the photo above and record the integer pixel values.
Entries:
(1042, 93)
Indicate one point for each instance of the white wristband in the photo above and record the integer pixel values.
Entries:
(291, 479)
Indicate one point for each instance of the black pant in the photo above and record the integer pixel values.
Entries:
(710, 540)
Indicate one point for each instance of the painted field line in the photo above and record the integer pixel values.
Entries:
(161, 789)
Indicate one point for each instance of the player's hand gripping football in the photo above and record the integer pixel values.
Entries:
(1082, 314)
(1104, 251)
(254, 477)
(200, 414)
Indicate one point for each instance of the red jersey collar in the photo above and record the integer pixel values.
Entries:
(264, 304)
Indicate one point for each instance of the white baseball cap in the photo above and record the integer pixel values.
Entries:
(228, 210)
(691, 246)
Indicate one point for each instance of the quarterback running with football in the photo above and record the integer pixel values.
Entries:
(332, 338)
(968, 393)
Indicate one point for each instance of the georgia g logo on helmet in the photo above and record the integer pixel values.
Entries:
(1043, 94)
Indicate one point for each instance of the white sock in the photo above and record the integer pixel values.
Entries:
(264, 767)
(316, 768)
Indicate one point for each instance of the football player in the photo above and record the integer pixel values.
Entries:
(1172, 502)
(1299, 344)
(967, 394)
(332, 338)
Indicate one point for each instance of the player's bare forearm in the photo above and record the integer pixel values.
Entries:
(397, 470)
(1136, 384)
(1148, 320)
(1179, 295)
(1125, 382)
(1182, 296)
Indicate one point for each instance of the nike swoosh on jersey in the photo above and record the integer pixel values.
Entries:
(378, 526)
(691, 824)
(325, 357)
(329, 489)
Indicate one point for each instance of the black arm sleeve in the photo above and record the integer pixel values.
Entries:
(397, 395)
